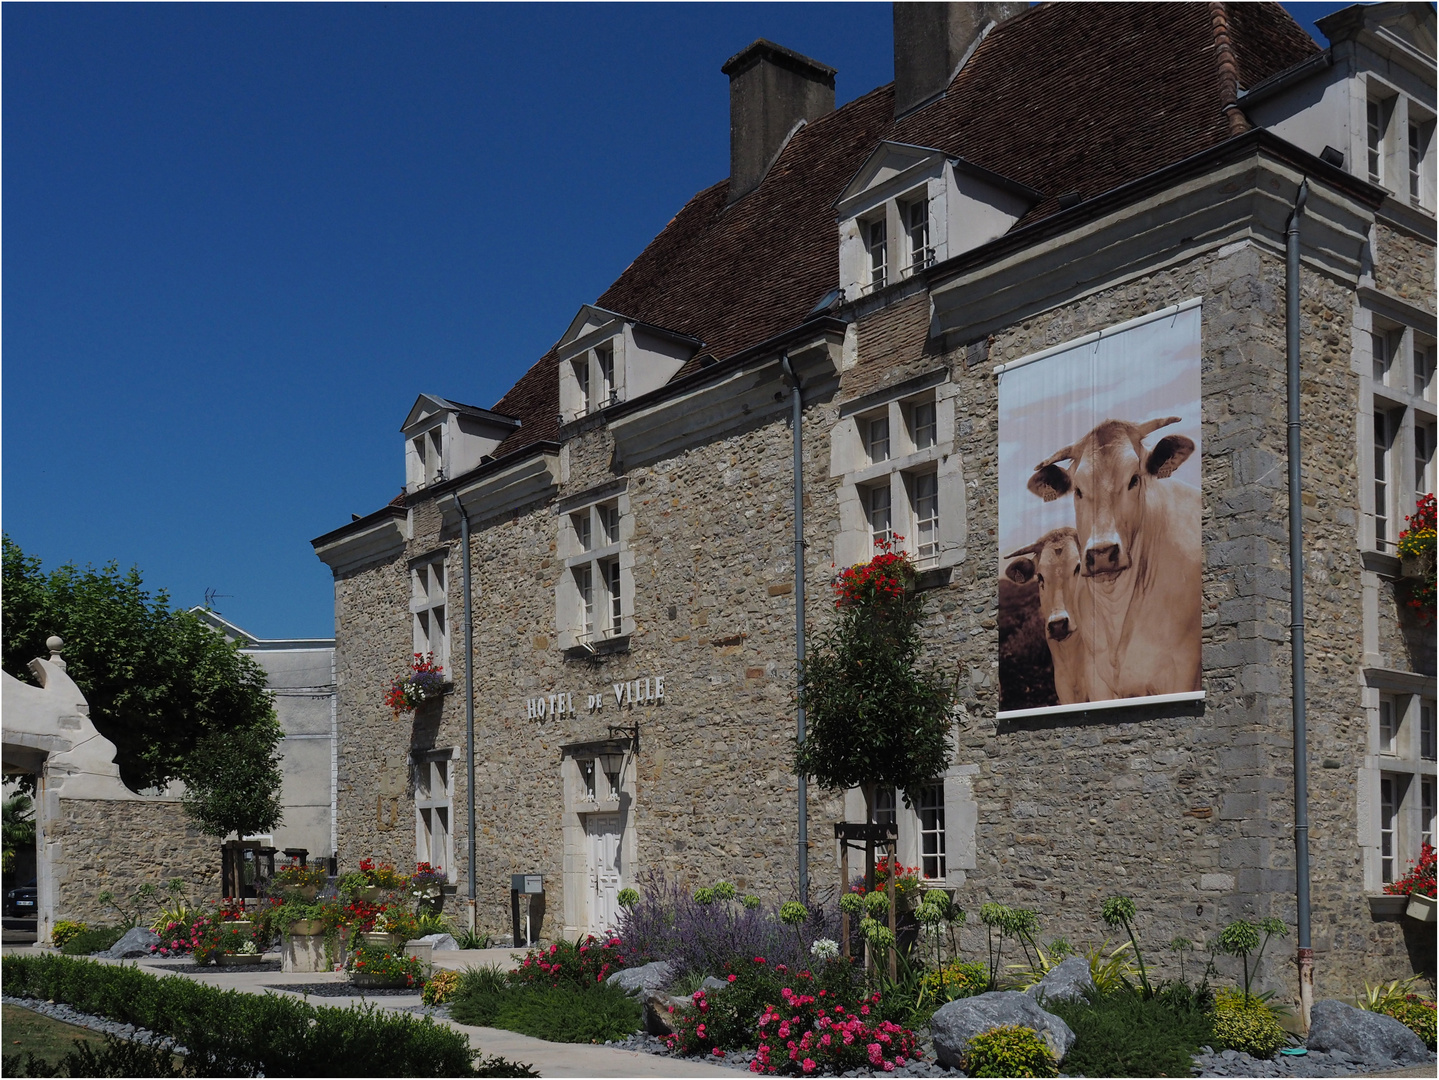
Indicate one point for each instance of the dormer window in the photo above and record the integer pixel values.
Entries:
(444, 439)
(605, 359)
(878, 244)
(919, 251)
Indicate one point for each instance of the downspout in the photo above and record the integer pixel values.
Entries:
(469, 706)
(1305, 955)
(788, 368)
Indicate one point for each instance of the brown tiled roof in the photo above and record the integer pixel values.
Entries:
(1065, 97)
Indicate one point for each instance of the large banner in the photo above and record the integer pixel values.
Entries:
(1100, 551)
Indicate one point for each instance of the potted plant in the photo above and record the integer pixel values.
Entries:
(380, 878)
(236, 943)
(1418, 885)
(425, 885)
(392, 928)
(303, 881)
(425, 681)
(1416, 558)
(379, 968)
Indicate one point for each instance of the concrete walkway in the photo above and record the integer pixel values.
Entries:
(548, 1058)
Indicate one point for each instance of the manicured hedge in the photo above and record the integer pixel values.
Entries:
(228, 1033)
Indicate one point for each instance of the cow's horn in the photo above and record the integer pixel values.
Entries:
(1146, 429)
(1033, 549)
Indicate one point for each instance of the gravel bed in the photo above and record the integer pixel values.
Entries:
(1209, 1062)
(57, 1011)
(342, 989)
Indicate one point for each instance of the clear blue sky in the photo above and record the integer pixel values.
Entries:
(240, 239)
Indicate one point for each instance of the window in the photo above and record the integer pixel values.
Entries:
(591, 601)
(1377, 115)
(876, 442)
(877, 243)
(922, 427)
(1388, 825)
(582, 380)
(1423, 459)
(931, 832)
(880, 523)
(592, 379)
(433, 830)
(1424, 352)
(1420, 132)
(886, 807)
(1416, 162)
(605, 366)
(1384, 345)
(427, 609)
(429, 447)
(1426, 821)
(926, 519)
(1389, 719)
(1384, 532)
(919, 252)
(1426, 729)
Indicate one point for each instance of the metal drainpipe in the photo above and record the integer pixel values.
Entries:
(1305, 955)
(788, 368)
(469, 703)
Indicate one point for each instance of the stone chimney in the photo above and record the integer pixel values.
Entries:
(931, 41)
(771, 89)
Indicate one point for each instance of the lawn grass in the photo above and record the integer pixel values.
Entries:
(49, 1040)
(557, 1014)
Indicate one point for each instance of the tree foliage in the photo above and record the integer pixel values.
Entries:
(875, 717)
(177, 699)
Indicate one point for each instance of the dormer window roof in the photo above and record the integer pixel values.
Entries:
(444, 438)
(909, 207)
(605, 358)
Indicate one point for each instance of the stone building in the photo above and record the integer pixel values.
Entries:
(1036, 180)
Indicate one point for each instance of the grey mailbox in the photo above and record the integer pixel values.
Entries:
(528, 886)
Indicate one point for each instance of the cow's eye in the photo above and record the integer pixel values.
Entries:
(1133, 481)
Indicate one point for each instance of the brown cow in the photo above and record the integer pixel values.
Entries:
(1139, 547)
(1064, 602)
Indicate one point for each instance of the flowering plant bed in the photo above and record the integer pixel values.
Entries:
(584, 963)
(1420, 878)
(806, 1034)
(383, 967)
(425, 682)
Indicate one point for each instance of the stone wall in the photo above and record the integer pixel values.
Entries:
(120, 846)
(1187, 808)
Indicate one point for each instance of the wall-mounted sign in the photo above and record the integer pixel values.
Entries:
(649, 691)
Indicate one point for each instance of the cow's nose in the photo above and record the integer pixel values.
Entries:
(1059, 627)
(1101, 557)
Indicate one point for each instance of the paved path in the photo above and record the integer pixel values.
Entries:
(548, 1058)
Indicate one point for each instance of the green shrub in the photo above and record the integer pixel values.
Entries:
(485, 998)
(1414, 1013)
(228, 1033)
(1243, 1022)
(1122, 1034)
(1008, 1050)
(118, 1058)
(64, 930)
(92, 941)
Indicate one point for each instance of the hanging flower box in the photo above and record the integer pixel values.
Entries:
(424, 682)
(1420, 907)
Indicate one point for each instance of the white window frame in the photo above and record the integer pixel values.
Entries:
(1398, 426)
(429, 608)
(594, 600)
(434, 779)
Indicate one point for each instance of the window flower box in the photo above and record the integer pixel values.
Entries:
(1420, 907)
(1386, 905)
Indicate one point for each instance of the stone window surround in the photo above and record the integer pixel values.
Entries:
(1407, 765)
(1396, 397)
(572, 555)
(429, 761)
(850, 463)
(1398, 111)
(429, 613)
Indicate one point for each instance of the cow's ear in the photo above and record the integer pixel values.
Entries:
(1049, 482)
(1168, 454)
(1021, 571)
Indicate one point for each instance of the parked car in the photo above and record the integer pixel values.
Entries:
(20, 901)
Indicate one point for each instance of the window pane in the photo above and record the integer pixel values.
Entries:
(1383, 439)
(1415, 160)
(876, 439)
(584, 581)
(1388, 725)
(1388, 812)
(925, 429)
(605, 360)
(1426, 812)
(587, 774)
(1375, 141)
(612, 587)
(931, 832)
(582, 377)
(926, 517)
(583, 534)
(1424, 369)
(1382, 348)
(885, 806)
(610, 522)
(1423, 459)
(920, 253)
(1426, 729)
(879, 516)
(878, 255)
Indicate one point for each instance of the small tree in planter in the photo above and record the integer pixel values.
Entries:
(875, 717)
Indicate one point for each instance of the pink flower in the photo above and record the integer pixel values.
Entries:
(808, 1065)
(889, 1066)
(732, 978)
(717, 1052)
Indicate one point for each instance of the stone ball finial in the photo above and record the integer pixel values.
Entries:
(55, 644)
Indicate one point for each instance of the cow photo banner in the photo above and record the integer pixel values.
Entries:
(1100, 549)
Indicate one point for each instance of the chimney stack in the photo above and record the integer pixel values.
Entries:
(771, 89)
(931, 40)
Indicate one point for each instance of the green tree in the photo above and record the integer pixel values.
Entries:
(177, 699)
(875, 718)
(19, 827)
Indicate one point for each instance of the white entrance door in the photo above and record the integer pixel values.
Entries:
(603, 832)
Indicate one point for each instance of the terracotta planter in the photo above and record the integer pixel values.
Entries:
(234, 959)
(1420, 907)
